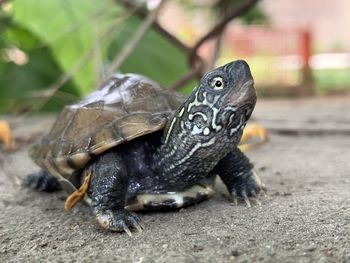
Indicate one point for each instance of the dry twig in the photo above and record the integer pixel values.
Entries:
(6, 135)
(219, 27)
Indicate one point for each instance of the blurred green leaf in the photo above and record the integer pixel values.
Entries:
(5, 22)
(58, 35)
(68, 28)
(154, 56)
(21, 38)
(21, 86)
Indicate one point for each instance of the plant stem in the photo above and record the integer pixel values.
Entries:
(135, 39)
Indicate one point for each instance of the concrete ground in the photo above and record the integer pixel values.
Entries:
(304, 218)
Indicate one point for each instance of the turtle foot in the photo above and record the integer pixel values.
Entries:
(41, 181)
(119, 221)
(248, 189)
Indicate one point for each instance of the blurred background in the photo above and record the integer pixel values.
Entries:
(54, 52)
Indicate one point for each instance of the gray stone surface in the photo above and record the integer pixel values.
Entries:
(304, 218)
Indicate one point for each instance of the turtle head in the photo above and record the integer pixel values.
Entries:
(209, 124)
(221, 104)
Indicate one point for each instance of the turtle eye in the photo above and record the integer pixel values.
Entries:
(217, 83)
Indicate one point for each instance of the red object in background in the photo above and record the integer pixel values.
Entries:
(279, 56)
(305, 48)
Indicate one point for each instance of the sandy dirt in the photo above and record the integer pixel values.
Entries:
(305, 216)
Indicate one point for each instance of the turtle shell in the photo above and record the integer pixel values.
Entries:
(124, 108)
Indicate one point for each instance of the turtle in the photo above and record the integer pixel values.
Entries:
(132, 145)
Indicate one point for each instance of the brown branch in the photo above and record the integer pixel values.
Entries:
(216, 52)
(218, 28)
(218, 41)
(185, 78)
(142, 14)
(135, 39)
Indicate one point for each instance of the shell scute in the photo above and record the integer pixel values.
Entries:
(124, 108)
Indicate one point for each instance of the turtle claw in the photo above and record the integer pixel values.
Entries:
(253, 193)
(255, 197)
(257, 201)
(137, 224)
(234, 197)
(246, 199)
(126, 229)
(248, 189)
(119, 221)
(235, 200)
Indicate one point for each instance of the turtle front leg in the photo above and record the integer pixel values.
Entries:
(108, 187)
(237, 173)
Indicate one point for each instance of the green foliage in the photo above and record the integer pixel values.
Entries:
(20, 83)
(79, 38)
(67, 27)
(254, 16)
(154, 57)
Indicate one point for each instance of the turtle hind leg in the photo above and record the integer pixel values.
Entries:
(42, 181)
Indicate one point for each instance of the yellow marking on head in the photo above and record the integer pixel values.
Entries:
(181, 112)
